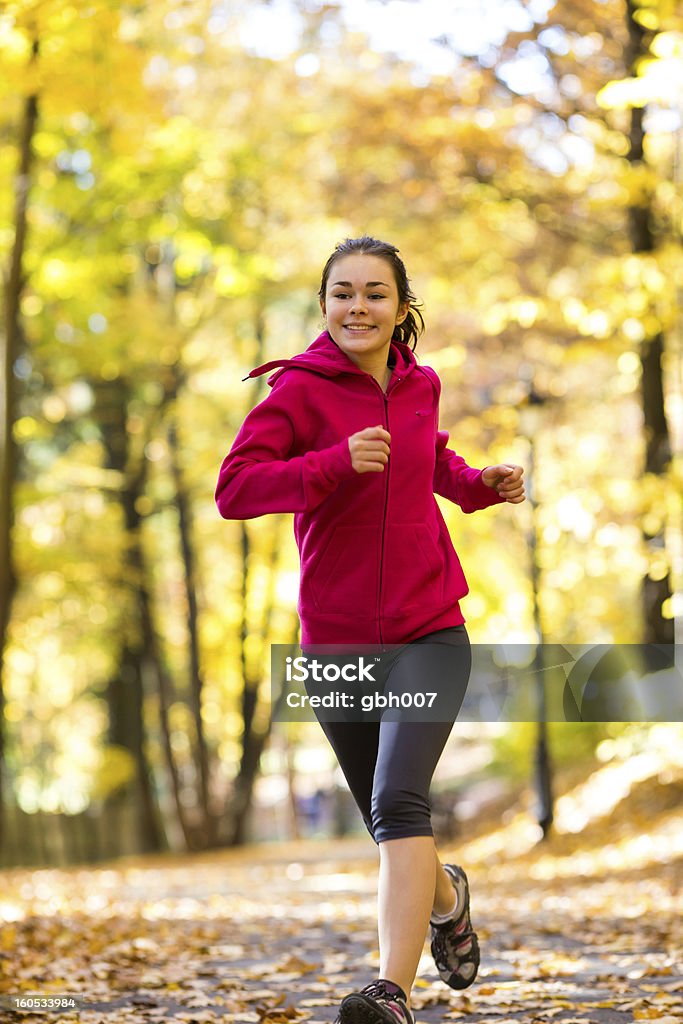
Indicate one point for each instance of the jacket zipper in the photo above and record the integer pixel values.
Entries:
(384, 523)
(385, 397)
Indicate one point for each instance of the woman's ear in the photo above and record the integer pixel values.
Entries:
(403, 310)
(322, 307)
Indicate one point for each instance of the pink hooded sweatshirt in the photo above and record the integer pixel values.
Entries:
(377, 562)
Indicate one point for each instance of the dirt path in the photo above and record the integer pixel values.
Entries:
(280, 932)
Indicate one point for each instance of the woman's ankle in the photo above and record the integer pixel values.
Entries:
(445, 894)
(439, 916)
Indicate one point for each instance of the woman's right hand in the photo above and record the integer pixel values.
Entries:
(369, 449)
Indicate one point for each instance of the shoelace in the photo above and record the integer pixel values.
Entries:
(379, 990)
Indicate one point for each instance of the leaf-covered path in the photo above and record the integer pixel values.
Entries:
(278, 933)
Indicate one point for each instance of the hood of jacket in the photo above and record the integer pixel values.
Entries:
(324, 356)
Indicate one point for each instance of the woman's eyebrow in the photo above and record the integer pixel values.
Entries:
(370, 284)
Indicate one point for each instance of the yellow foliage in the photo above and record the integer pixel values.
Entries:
(217, 184)
(115, 769)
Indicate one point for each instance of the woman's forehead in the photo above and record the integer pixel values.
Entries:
(361, 268)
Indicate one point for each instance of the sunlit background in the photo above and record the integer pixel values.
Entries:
(189, 166)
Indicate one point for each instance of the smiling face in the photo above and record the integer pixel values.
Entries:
(362, 307)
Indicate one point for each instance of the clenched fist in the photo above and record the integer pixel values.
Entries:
(369, 449)
(506, 479)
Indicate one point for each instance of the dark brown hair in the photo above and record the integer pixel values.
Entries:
(408, 331)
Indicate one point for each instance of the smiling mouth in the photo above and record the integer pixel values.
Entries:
(358, 328)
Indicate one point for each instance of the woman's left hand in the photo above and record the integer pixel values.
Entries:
(506, 480)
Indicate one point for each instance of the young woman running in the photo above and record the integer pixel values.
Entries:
(348, 440)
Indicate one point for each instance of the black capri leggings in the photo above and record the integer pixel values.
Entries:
(389, 764)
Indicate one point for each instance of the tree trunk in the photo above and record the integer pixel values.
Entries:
(165, 689)
(292, 795)
(657, 628)
(14, 282)
(253, 745)
(209, 820)
(125, 693)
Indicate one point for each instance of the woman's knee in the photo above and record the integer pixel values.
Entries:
(398, 813)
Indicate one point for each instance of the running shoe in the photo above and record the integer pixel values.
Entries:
(380, 1002)
(454, 943)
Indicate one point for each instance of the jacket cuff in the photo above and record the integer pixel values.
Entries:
(482, 495)
(335, 462)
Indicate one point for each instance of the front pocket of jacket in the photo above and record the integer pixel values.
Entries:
(345, 578)
(430, 551)
(414, 570)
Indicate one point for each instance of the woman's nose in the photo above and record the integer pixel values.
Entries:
(358, 304)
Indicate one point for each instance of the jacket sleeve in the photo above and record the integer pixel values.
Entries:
(455, 480)
(257, 476)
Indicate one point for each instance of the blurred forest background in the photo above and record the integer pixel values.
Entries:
(173, 176)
